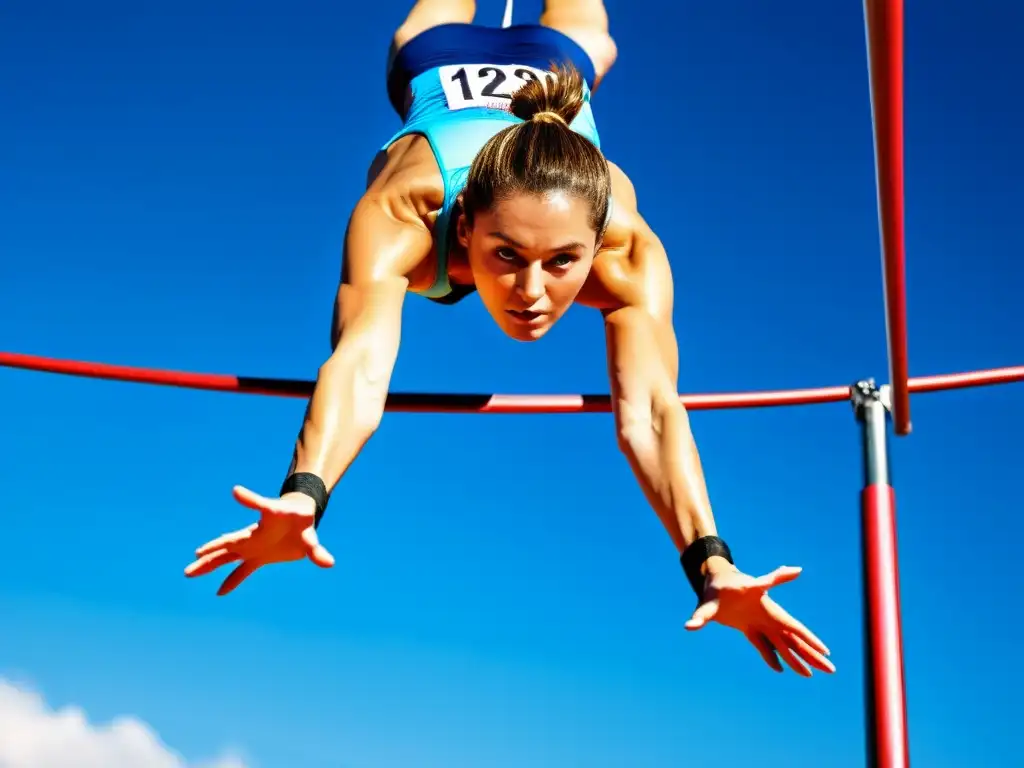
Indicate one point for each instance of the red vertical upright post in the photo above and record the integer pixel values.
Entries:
(883, 20)
(885, 691)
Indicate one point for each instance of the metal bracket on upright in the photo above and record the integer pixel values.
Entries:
(865, 391)
(871, 404)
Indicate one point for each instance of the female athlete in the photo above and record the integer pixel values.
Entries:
(496, 185)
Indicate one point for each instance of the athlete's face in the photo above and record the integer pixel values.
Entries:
(530, 256)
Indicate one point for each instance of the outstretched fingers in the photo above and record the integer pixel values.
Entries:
(781, 575)
(765, 648)
(807, 653)
(705, 612)
(227, 540)
(211, 562)
(251, 499)
(237, 576)
(782, 645)
(780, 615)
(316, 551)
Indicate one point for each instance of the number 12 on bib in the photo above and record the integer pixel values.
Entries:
(485, 85)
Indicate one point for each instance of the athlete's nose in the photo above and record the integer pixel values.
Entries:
(530, 282)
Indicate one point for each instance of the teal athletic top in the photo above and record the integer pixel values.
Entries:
(458, 108)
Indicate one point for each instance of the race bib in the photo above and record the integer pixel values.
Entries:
(486, 85)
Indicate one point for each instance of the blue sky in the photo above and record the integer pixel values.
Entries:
(176, 182)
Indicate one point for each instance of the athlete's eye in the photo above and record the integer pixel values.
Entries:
(505, 254)
(563, 260)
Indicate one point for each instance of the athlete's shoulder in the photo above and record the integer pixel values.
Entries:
(406, 176)
(622, 186)
(390, 229)
(632, 266)
(624, 220)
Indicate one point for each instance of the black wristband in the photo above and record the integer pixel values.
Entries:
(695, 555)
(310, 485)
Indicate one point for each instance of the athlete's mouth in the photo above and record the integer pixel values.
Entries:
(524, 315)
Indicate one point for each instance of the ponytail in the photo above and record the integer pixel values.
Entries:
(542, 154)
(558, 98)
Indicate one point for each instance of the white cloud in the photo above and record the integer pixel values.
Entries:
(32, 735)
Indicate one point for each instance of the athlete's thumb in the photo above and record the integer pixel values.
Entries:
(317, 552)
(704, 613)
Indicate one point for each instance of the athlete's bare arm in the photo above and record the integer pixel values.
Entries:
(632, 285)
(388, 249)
(387, 239)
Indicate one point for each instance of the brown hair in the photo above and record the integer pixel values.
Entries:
(543, 153)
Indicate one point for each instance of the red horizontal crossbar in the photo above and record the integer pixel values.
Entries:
(425, 402)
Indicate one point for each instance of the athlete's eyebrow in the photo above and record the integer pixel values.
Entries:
(507, 239)
(571, 246)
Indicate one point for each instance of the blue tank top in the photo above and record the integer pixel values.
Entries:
(458, 108)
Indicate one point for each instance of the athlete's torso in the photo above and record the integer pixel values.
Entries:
(454, 110)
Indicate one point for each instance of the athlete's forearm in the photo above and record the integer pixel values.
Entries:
(342, 415)
(350, 394)
(664, 457)
(654, 427)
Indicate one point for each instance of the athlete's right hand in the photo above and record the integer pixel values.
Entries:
(284, 533)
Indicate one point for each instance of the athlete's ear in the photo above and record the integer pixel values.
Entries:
(462, 230)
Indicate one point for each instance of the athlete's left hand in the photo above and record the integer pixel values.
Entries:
(740, 601)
